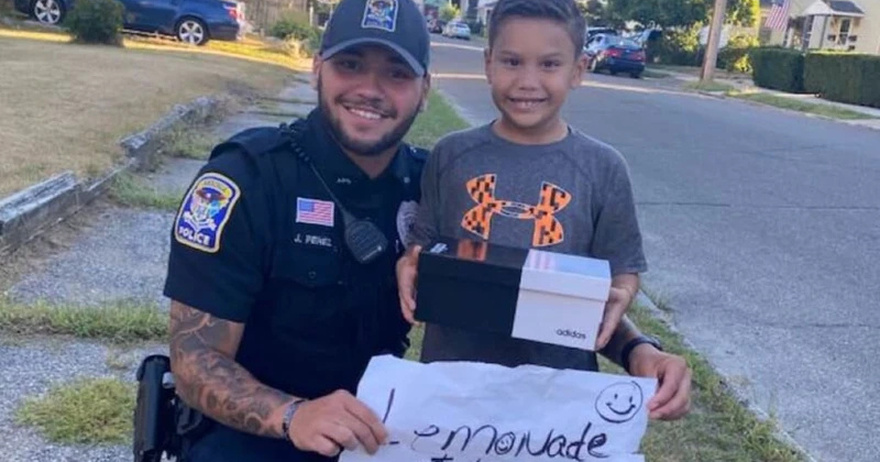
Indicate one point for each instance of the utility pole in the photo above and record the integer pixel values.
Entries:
(710, 58)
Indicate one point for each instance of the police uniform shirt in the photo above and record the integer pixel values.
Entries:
(258, 240)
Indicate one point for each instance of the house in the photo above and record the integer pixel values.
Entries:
(484, 10)
(846, 25)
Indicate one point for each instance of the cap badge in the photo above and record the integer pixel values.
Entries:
(380, 14)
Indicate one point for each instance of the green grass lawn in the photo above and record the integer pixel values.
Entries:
(796, 104)
(709, 86)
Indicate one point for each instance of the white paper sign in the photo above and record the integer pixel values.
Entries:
(475, 412)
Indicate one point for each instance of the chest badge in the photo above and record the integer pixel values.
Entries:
(406, 219)
(315, 212)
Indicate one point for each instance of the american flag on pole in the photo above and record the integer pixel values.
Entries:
(313, 211)
(778, 17)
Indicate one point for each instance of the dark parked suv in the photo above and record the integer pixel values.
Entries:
(191, 21)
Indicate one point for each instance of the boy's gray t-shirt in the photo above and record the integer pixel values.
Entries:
(572, 196)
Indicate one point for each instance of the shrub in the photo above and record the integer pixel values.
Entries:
(295, 29)
(778, 69)
(96, 21)
(845, 77)
(735, 56)
(448, 12)
(680, 47)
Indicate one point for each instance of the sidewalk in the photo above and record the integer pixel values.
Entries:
(119, 255)
(746, 85)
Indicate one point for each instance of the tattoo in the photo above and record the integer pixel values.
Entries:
(208, 378)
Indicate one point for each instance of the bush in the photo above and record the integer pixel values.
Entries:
(448, 12)
(96, 21)
(735, 56)
(295, 29)
(845, 77)
(778, 69)
(680, 47)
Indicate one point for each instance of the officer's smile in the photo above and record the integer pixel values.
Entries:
(365, 112)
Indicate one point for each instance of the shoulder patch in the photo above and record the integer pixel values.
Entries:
(205, 211)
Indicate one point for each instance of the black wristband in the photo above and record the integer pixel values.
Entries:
(631, 345)
(288, 416)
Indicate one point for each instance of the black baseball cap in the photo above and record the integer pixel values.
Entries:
(396, 24)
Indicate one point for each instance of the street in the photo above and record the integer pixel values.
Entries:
(762, 233)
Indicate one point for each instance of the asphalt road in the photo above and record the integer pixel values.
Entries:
(762, 231)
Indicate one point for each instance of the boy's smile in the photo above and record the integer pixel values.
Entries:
(531, 68)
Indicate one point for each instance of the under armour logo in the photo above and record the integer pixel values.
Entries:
(548, 230)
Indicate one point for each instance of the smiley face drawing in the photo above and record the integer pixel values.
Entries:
(620, 402)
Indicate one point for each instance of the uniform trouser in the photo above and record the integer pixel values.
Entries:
(223, 444)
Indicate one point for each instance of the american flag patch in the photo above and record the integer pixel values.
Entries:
(314, 212)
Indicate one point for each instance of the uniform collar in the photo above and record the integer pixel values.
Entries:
(339, 169)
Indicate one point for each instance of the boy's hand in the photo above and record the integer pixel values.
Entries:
(618, 301)
(673, 397)
(407, 273)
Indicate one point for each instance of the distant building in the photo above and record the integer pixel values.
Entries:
(846, 25)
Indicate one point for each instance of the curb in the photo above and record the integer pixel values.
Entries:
(738, 393)
(852, 123)
(29, 212)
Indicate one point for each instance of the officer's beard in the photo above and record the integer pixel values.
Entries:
(390, 140)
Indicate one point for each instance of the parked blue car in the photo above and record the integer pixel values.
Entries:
(191, 21)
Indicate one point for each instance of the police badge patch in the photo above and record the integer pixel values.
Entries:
(406, 219)
(205, 211)
(380, 14)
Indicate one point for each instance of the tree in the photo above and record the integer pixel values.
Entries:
(593, 11)
(448, 12)
(744, 13)
(681, 13)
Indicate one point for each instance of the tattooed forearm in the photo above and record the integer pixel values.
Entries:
(208, 378)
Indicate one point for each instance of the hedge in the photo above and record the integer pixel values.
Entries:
(848, 78)
(735, 56)
(778, 69)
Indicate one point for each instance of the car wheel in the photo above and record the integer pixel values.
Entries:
(192, 31)
(636, 75)
(48, 11)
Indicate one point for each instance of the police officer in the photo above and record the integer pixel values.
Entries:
(281, 271)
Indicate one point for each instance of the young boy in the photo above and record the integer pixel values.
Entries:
(551, 186)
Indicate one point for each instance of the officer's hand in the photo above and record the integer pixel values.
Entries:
(328, 424)
(407, 273)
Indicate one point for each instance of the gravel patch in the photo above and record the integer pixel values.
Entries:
(122, 255)
(175, 175)
(31, 367)
(302, 92)
(239, 122)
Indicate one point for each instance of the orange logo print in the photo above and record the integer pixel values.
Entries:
(548, 230)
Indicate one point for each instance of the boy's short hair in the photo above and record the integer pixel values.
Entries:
(563, 11)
